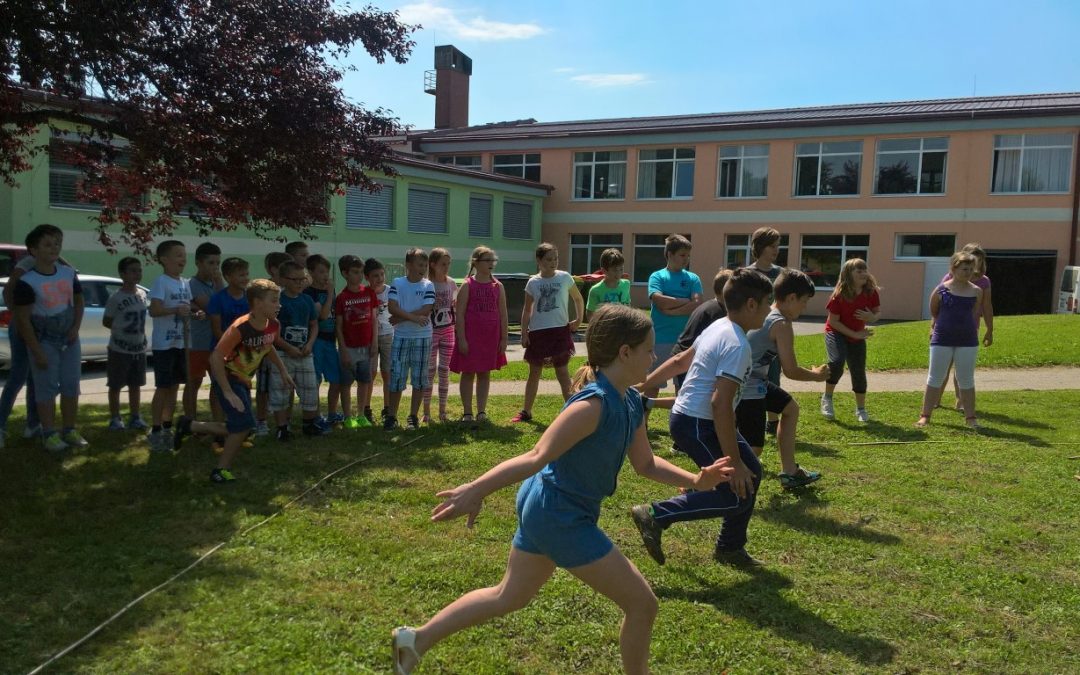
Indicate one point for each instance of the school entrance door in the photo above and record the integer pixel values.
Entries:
(1023, 281)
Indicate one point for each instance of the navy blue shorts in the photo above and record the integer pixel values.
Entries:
(560, 526)
(236, 421)
(170, 368)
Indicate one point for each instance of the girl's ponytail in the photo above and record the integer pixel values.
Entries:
(585, 375)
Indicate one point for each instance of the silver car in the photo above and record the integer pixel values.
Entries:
(93, 335)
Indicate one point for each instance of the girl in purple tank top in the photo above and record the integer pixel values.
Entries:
(954, 337)
(986, 308)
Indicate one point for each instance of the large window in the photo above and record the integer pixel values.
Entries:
(907, 166)
(649, 255)
(744, 171)
(525, 166)
(827, 169)
(462, 161)
(585, 250)
(600, 175)
(925, 245)
(427, 210)
(517, 220)
(370, 210)
(740, 255)
(1032, 162)
(666, 174)
(479, 215)
(823, 255)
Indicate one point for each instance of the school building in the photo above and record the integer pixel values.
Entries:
(902, 185)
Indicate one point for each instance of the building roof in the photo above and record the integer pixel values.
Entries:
(983, 107)
(406, 160)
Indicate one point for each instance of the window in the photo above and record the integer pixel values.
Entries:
(827, 169)
(525, 166)
(427, 210)
(744, 171)
(925, 245)
(462, 161)
(907, 166)
(517, 220)
(585, 250)
(1032, 162)
(740, 255)
(600, 175)
(666, 174)
(370, 210)
(649, 255)
(824, 254)
(479, 215)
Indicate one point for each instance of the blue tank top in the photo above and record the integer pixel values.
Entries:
(590, 469)
(956, 325)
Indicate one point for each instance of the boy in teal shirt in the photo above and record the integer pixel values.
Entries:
(675, 293)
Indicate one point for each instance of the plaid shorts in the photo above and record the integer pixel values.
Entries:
(409, 353)
(302, 371)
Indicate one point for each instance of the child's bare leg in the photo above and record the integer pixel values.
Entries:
(532, 385)
(215, 407)
(134, 401)
(262, 404)
(385, 376)
(785, 437)
(967, 400)
(232, 446)
(393, 403)
(931, 397)
(209, 428)
(363, 396)
(466, 389)
(164, 404)
(346, 399)
(617, 578)
(114, 402)
(415, 401)
(562, 374)
(525, 574)
(69, 409)
(860, 400)
(191, 397)
(483, 385)
(829, 388)
(333, 398)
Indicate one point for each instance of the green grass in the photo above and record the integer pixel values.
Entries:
(1019, 341)
(928, 557)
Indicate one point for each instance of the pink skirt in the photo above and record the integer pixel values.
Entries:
(550, 345)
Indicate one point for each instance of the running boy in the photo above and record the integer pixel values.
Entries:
(170, 308)
(125, 317)
(612, 288)
(357, 330)
(411, 300)
(299, 322)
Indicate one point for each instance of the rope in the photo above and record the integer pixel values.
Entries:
(67, 650)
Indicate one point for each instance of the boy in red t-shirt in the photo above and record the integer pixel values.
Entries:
(853, 304)
(357, 331)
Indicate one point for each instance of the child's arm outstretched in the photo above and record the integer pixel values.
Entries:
(784, 336)
(578, 420)
(655, 468)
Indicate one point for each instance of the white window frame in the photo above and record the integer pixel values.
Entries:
(459, 161)
(922, 151)
(1020, 174)
(898, 253)
(522, 164)
(844, 248)
(821, 154)
(662, 245)
(738, 160)
(676, 162)
(747, 249)
(588, 248)
(592, 164)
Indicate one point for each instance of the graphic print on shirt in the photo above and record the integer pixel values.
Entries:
(253, 346)
(548, 300)
(129, 332)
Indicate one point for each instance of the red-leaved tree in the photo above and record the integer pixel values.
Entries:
(227, 111)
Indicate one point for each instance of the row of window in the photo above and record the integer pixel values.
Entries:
(821, 255)
(1021, 163)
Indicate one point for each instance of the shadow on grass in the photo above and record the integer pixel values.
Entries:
(815, 449)
(799, 514)
(758, 600)
(879, 430)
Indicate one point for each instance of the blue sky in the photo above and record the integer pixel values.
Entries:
(574, 59)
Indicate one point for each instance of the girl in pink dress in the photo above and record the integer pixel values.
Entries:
(481, 324)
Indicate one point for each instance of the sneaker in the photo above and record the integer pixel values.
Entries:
(362, 422)
(313, 429)
(352, 423)
(650, 530)
(389, 423)
(383, 415)
(862, 415)
(737, 558)
(412, 423)
(369, 415)
(522, 416)
(771, 426)
(116, 424)
(32, 432)
(336, 418)
(827, 408)
(75, 440)
(154, 439)
(283, 434)
(222, 477)
(55, 444)
(800, 478)
(167, 439)
(137, 423)
(183, 430)
(261, 428)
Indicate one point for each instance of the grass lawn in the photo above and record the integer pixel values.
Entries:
(957, 554)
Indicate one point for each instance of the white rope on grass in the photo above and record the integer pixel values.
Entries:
(67, 650)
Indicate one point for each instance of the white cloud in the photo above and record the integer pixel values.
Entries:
(443, 19)
(611, 79)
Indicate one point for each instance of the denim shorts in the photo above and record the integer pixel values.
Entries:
(361, 365)
(63, 372)
(327, 362)
(558, 525)
(236, 421)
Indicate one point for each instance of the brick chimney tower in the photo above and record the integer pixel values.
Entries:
(449, 82)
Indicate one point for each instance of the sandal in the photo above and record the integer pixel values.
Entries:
(481, 417)
(522, 416)
(972, 422)
(467, 418)
(923, 421)
(403, 639)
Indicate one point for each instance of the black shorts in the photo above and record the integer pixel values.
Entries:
(750, 413)
(125, 370)
(170, 368)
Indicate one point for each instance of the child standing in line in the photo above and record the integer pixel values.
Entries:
(566, 476)
(170, 309)
(375, 274)
(547, 333)
(205, 283)
(481, 328)
(327, 361)
(765, 247)
(299, 326)
(48, 307)
(125, 317)
(357, 330)
(612, 288)
(242, 348)
(853, 305)
(986, 307)
(675, 293)
(20, 363)
(442, 330)
(410, 300)
(954, 337)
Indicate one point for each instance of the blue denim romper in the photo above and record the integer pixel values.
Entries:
(558, 507)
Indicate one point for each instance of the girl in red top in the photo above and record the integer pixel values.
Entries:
(854, 303)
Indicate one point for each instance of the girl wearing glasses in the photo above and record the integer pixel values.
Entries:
(480, 327)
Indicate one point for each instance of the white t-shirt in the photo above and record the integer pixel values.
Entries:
(550, 296)
(721, 350)
(410, 297)
(169, 329)
(385, 327)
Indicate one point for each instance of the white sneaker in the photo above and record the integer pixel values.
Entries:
(32, 432)
(862, 415)
(827, 408)
(261, 429)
